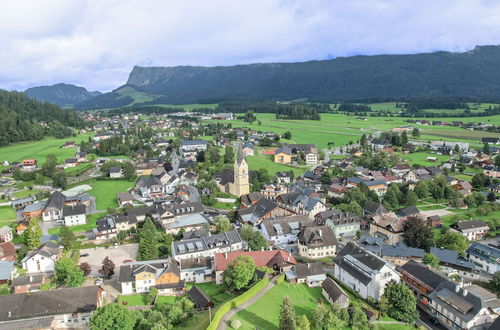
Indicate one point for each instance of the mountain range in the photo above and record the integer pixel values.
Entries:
(61, 94)
(472, 75)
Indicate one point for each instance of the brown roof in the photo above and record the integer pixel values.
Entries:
(389, 221)
(7, 251)
(260, 258)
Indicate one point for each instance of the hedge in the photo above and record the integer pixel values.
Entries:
(280, 279)
(233, 303)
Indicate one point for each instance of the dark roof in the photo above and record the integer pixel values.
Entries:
(56, 200)
(157, 267)
(309, 269)
(206, 243)
(115, 169)
(148, 181)
(200, 299)
(423, 273)
(401, 250)
(240, 156)
(48, 250)
(372, 207)
(258, 210)
(470, 224)
(333, 289)
(408, 211)
(453, 299)
(486, 252)
(227, 175)
(452, 258)
(45, 303)
(201, 262)
(28, 279)
(317, 236)
(358, 263)
(73, 210)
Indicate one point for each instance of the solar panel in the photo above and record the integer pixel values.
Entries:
(181, 248)
(278, 228)
(294, 225)
(199, 246)
(190, 246)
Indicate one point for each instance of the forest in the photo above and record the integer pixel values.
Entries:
(24, 119)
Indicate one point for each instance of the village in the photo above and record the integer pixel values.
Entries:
(151, 209)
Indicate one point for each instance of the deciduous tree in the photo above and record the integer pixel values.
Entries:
(401, 303)
(239, 273)
(417, 234)
(32, 234)
(108, 268)
(112, 317)
(68, 274)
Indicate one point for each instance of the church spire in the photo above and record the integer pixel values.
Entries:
(240, 156)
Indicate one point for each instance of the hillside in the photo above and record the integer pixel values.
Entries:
(60, 94)
(22, 119)
(120, 97)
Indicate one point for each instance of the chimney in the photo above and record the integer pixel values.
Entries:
(465, 292)
(31, 278)
(10, 314)
(225, 255)
(457, 288)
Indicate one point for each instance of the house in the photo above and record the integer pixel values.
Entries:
(7, 251)
(189, 146)
(273, 190)
(200, 299)
(54, 208)
(278, 260)
(458, 308)
(54, 309)
(115, 172)
(71, 162)
(19, 204)
(284, 230)
(68, 144)
(492, 171)
(452, 263)
(43, 259)
(317, 242)
(33, 210)
(421, 279)
(6, 271)
(283, 155)
(363, 271)
(248, 149)
(140, 277)
(372, 208)
(82, 156)
(312, 274)
(124, 198)
(399, 253)
(407, 212)
(262, 210)
(486, 257)
(372, 244)
(29, 164)
(333, 293)
(6, 234)
(150, 187)
(387, 226)
(342, 223)
(74, 215)
(105, 229)
(284, 177)
(207, 246)
(337, 190)
(198, 270)
(29, 283)
(472, 229)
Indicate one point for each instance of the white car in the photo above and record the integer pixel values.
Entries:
(98, 281)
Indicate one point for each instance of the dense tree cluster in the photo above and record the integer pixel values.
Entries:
(22, 119)
(353, 107)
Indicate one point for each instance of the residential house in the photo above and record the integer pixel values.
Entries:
(263, 209)
(342, 223)
(140, 277)
(283, 155)
(421, 279)
(198, 270)
(42, 259)
(207, 246)
(6, 234)
(387, 226)
(452, 263)
(407, 212)
(74, 215)
(486, 257)
(248, 149)
(373, 208)
(399, 253)
(33, 210)
(29, 283)
(473, 230)
(54, 309)
(312, 274)
(273, 190)
(458, 308)
(105, 229)
(363, 271)
(124, 198)
(19, 204)
(317, 242)
(150, 187)
(115, 172)
(6, 271)
(372, 244)
(285, 177)
(333, 293)
(279, 261)
(193, 146)
(82, 156)
(284, 230)
(54, 208)
(492, 171)
(337, 190)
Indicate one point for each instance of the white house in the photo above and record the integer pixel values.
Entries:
(74, 215)
(486, 257)
(471, 229)
(116, 172)
(43, 259)
(54, 208)
(198, 270)
(284, 230)
(207, 246)
(363, 271)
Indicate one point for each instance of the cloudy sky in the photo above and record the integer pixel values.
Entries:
(96, 43)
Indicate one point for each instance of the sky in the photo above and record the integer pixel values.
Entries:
(96, 43)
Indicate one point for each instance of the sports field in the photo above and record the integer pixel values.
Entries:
(40, 149)
(341, 129)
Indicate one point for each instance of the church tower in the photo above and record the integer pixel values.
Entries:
(241, 184)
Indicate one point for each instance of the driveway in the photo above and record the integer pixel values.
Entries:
(441, 213)
(117, 254)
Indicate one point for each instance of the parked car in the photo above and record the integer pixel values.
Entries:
(127, 260)
(84, 255)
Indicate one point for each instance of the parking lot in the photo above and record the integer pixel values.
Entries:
(118, 254)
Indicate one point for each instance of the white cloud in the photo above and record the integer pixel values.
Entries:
(96, 43)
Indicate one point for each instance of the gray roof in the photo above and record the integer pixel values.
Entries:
(452, 258)
(485, 252)
(34, 207)
(56, 201)
(206, 243)
(200, 299)
(73, 210)
(130, 270)
(423, 273)
(48, 250)
(187, 220)
(401, 250)
(317, 236)
(192, 263)
(286, 225)
(333, 289)
(408, 211)
(45, 303)
(4, 230)
(28, 279)
(6, 268)
(372, 207)
(257, 211)
(308, 269)
(193, 142)
(470, 224)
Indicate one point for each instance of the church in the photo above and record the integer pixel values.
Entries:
(235, 181)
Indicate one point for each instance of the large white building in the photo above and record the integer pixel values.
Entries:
(485, 257)
(43, 259)
(207, 246)
(74, 215)
(363, 271)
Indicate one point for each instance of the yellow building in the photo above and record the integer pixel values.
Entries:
(235, 181)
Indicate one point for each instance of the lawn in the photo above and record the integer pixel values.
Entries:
(264, 314)
(7, 215)
(431, 207)
(133, 300)
(26, 193)
(265, 161)
(40, 149)
(421, 158)
(216, 292)
(105, 192)
(91, 224)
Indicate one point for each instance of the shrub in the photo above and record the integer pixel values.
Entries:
(235, 324)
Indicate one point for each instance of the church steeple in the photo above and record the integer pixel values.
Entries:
(241, 179)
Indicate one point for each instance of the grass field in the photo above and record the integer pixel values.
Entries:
(264, 314)
(132, 300)
(265, 161)
(341, 129)
(40, 149)
(105, 192)
(421, 158)
(91, 223)
(26, 193)
(7, 215)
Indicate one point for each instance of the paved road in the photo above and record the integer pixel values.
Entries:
(224, 322)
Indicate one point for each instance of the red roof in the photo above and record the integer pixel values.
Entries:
(261, 258)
